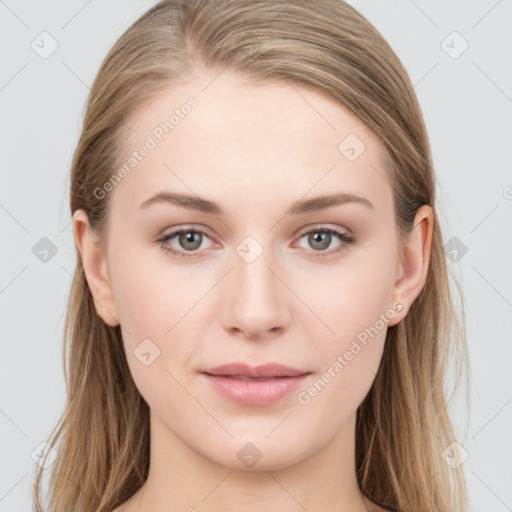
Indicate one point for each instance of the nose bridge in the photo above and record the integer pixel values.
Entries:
(256, 298)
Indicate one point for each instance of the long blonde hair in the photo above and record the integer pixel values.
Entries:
(403, 424)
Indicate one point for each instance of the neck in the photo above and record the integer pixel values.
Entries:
(181, 478)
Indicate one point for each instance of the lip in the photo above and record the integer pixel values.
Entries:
(265, 370)
(274, 382)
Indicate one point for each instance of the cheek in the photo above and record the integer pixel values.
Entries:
(150, 306)
(155, 300)
(348, 365)
(351, 296)
(150, 293)
(353, 302)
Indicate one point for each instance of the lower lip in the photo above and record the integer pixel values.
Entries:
(255, 392)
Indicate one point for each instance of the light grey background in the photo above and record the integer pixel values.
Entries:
(466, 100)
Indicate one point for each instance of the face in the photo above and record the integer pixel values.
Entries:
(260, 274)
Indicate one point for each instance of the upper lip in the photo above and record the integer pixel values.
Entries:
(266, 370)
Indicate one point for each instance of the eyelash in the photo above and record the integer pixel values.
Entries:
(344, 237)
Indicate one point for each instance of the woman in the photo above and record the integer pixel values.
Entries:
(260, 315)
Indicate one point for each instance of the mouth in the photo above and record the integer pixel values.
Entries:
(255, 386)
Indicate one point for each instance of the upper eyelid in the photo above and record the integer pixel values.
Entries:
(174, 231)
(320, 227)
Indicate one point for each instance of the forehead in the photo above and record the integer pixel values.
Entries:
(248, 145)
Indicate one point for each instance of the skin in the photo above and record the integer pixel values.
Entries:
(252, 148)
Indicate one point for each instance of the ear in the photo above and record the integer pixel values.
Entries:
(414, 261)
(94, 261)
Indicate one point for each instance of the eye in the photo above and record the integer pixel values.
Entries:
(189, 239)
(320, 239)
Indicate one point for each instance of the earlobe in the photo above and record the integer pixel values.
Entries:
(94, 261)
(415, 261)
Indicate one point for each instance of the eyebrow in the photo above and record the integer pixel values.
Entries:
(298, 207)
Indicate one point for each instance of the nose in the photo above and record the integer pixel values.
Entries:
(257, 300)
